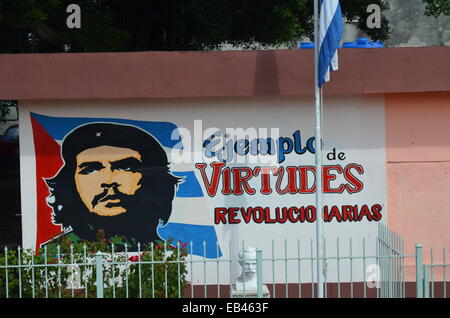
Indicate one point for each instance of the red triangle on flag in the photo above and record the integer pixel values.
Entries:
(48, 163)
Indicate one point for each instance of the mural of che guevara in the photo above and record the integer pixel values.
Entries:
(115, 177)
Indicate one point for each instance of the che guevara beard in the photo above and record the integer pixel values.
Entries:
(139, 222)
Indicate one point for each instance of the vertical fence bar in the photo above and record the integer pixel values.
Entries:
(259, 273)
(99, 273)
(402, 245)
(244, 272)
(85, 271)
(444, 268)
(217, 258)
(20, 271)
(59, 271)
(139, 269)
(72, 271)
(152, 249)
(351, 269)
(377, 260)
(426, 281)
(396, 280)
(384, 289)
(312, 270)
(192, 269)
(383, 263)
(32, 274)
(398, 268)
(393, 264)
(400, 255)
(338, 270)
(403, 270)
(379, 253)
(383, 254)
(432, 270)
(273, 270)
(230, 262)
(388, 264)
(179, 270)
(385, 274)
(113, 271)
(46, 271)
(126, 270)
(325, 267)
(286, 268)
(399, 261)
(165, 271)
(299, 270)
(6, 272)
(364, 267)
(204, 269)
(393, 268)
(419, 271)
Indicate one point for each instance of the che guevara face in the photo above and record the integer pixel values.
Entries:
(105, 175)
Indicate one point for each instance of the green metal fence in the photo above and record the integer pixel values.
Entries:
(287, 271)
(391, 259)
(431, 284)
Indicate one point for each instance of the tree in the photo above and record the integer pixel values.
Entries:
(29, 26)
(5, 108)
(437, 8)
(412, 27)
(117, 25)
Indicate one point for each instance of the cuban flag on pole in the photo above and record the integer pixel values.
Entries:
(331, 29)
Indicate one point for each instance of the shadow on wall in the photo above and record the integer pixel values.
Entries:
(266, 74)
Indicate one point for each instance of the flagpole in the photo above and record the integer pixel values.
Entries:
(318, 153)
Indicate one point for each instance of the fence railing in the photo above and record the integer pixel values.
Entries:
(431, 287)
(89, 273)
(287, 269)
(391, 259)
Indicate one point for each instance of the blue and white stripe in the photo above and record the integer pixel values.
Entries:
(331, 29)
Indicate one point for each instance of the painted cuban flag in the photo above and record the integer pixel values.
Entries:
(195, 229)
(331, 29)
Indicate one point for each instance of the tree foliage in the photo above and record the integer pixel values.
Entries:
(437, 8)
(40, 26)
(117, 25)
(5, 107)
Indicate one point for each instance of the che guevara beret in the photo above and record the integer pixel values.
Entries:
(115, 135)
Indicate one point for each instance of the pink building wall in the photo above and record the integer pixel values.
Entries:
(418, 169)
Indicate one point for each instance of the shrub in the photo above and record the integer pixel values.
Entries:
(68, 269)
